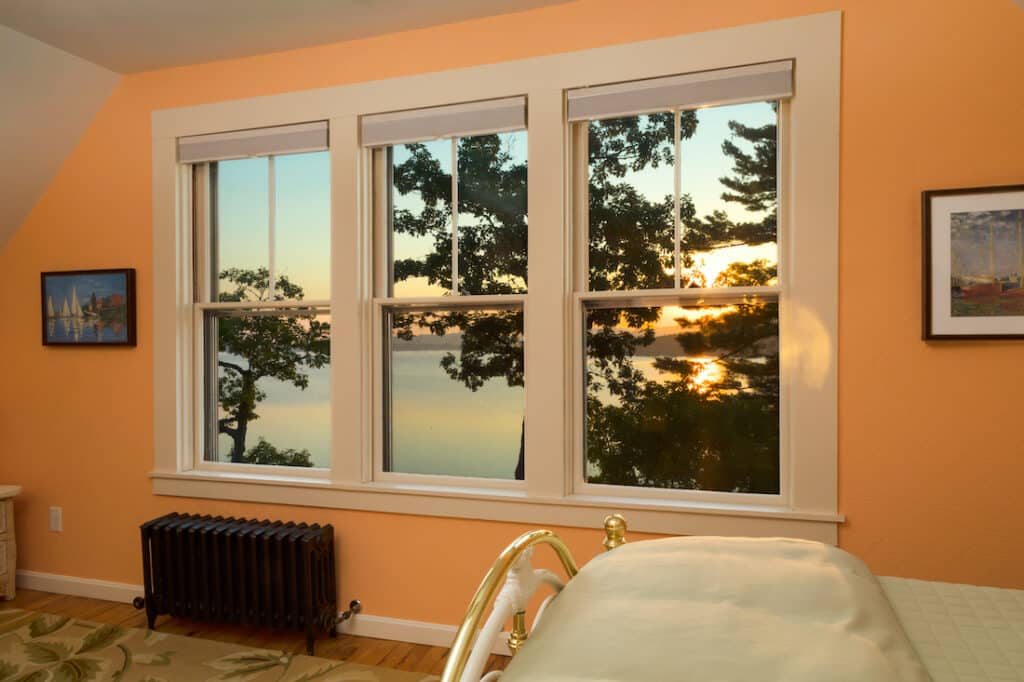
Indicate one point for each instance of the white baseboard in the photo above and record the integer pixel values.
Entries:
(363, 625)
(415, 631)
(78, 587)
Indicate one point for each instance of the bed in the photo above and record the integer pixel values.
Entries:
(724, 609)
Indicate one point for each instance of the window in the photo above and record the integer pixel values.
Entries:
(452, 243)
(263, 288)
(681, 374)
(629, 304)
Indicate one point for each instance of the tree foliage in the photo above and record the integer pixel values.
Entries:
(254, 346)
(265, 453)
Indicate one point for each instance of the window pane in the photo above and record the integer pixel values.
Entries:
(492, 213)
(302, 197)
(684, 397)
(728, 168)
(455, 393)
(421, 242)
(242, 227)
(269, 388)
(631, 187)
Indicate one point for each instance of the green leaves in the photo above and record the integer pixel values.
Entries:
(46, 652)
(245, 663)
(44, 625)
(101, 638)
(77, 669)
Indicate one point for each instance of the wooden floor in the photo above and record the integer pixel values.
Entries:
(383, 652)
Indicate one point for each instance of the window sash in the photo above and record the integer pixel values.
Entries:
(580, 194)
(721, 296)
(382, 180)
(381, 398)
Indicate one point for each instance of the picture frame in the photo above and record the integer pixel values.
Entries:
(88, 308)
(973, 263)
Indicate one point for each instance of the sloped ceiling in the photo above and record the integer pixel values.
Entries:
(139, 35)
(49, 99)
(60, 60)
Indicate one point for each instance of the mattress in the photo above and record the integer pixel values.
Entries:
(962, 633)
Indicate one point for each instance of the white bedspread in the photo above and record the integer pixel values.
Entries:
(720, 610)
(963, 633)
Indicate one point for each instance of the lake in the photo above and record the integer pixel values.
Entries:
(440, 426)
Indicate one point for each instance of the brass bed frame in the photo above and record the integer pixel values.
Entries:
(510, 583)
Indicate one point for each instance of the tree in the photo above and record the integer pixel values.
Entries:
(265, 453)
(256, 346)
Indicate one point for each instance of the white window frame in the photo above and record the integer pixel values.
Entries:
(550, 494)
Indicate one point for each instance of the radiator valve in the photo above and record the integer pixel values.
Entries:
(354, 607)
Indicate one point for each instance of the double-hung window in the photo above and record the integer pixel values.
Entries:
(679, 281)
(450, 222)
(261, 290)
(532, 291)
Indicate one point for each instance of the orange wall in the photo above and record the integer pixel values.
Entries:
(930, 461)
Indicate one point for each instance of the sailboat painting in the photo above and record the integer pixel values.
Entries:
(89, 307)
(974, 241)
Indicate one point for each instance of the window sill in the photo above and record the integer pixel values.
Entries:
(655, 516)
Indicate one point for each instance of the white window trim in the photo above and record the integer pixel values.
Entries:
(548, 496)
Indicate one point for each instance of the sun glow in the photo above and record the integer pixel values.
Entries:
(709, 374)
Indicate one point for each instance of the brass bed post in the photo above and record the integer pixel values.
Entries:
(492, 582)
(614, 531)
(615, 535)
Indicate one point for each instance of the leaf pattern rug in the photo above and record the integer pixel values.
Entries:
(37, 647)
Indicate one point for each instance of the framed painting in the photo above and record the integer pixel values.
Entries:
(88, 307)
(973, 263)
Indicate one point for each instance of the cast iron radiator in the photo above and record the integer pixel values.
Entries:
(258, 573)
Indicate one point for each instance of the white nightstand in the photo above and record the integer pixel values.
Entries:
(8, 550)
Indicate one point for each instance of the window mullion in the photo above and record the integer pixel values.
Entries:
(677, 185)
(455, 216)
(271, 211)
(547, 438)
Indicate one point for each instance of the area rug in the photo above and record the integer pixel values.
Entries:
(37, 647)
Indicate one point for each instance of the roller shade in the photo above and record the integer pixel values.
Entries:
(757, 82)
(240, 144)
(457, 120)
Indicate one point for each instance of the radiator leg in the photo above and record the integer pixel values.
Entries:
(310, 638)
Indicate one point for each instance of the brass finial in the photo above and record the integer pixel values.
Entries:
(518, 636)
(614, 531)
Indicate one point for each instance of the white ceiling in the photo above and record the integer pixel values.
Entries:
(127, 36)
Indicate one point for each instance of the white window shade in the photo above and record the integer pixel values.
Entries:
(458, 120)
(240, 144)
(757, 82)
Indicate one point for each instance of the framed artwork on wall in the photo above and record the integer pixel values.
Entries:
(88, 307)
(973, 265)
